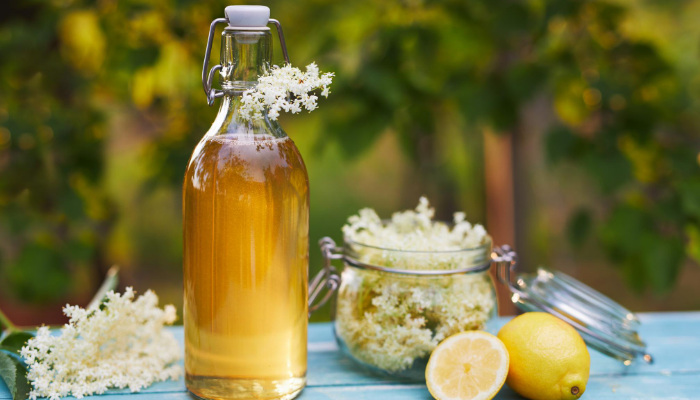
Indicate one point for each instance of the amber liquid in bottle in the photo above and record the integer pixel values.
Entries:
(246, 265)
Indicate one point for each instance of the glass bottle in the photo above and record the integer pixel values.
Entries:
(246, 216)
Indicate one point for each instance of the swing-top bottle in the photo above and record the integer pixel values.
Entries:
(246, 216)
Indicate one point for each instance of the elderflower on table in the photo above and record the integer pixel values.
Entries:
(392, 321)
(273, 92)
(121, 344)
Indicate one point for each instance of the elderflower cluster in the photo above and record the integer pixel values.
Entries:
(394, 321)
(434, 244)
(285, 88)
(121, 344)
(390, 322)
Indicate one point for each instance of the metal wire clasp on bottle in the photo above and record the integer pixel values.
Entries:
(208, 77)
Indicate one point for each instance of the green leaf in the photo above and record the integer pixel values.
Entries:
(13, 342)
(690, 196)
(622, 233)
(39, 274)
(524, 79)
(634, 275)
(579, 226)
(561, 144)
(14, 374)
(22, 384)
(8, 372)
(693, 244)
(356, 128)
(611, 170)
(662, 257)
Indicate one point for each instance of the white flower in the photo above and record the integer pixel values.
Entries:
(121, 344)
(390, 321)
(285, 88)
(417, 231)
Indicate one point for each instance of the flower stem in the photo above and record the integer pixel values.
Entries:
(6, 323)
(110, 283)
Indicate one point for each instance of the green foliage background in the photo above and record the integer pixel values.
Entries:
(101, 106)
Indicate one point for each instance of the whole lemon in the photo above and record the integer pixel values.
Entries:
(548, 358)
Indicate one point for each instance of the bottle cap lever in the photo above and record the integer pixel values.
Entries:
(241, 17)
(283, 44)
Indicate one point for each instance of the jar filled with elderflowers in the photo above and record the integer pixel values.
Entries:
(408, 283)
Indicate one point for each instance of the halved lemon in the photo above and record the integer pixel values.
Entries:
(470, 365)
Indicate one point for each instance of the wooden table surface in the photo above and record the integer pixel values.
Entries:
(672, 338)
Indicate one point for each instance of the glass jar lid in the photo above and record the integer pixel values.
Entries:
(604, 324)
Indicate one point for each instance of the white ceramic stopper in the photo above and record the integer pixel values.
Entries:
(248, 16)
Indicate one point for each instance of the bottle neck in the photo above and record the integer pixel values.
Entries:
(245, 55)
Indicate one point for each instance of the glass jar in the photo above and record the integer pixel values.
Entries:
(393, 307)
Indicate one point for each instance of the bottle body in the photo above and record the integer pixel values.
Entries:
(246, 215)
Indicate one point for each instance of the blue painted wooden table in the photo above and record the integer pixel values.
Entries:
(672, 338)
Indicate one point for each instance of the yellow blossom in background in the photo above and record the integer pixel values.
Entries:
(82, 42)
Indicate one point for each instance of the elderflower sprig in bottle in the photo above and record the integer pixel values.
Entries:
(285, 89)
(246, 223)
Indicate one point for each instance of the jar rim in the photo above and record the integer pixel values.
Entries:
(488, 242)
(480, 266)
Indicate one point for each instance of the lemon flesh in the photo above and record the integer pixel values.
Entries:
(469, 365)
(548, 358)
